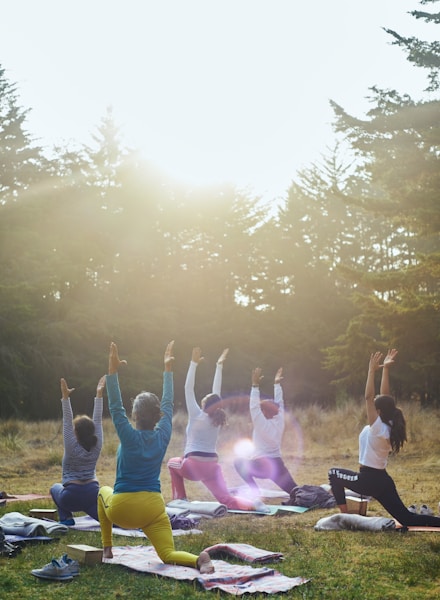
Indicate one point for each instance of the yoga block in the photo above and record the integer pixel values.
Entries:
(357, 506)
(44, 513)
(84, 554)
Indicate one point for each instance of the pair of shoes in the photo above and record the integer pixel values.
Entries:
(61, 569)
(424, 510)
(54, 571)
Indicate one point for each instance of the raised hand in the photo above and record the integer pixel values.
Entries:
(65, 391)
(168, 357)
(257, 376)
(375, 359)
(100, 387)
(221, 359)
(389, 358)
(114, 361)
(279, 375)
(196, 355)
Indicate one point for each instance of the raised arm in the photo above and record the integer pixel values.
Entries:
(277, 389)
(373, 366)
(385, 380)
(217, 383)
(190, 397)
(68, 433)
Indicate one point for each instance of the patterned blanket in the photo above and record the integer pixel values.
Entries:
(233, 579)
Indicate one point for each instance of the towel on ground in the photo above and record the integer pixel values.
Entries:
(353, 522)
(245, 552)
(14, 523)
(205, 509)
(87, 523)
(233, 579)
(246, 492)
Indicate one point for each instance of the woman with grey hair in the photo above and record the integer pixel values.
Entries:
(136, 501)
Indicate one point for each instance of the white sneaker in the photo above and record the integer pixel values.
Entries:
(413, 509)
(425, 510)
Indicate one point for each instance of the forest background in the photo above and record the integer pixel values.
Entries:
(97, 245)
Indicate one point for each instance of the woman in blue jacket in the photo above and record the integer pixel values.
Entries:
(136, 500)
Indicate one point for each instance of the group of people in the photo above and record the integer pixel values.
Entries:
(136, 500)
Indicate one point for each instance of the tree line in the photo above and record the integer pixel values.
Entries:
(98, 245)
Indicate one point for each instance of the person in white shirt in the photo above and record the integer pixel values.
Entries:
(384, 434)
(200, 460)
(268, 427)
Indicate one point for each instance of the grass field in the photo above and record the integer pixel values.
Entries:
(340, 565)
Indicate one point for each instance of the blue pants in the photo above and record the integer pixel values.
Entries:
(75, 498)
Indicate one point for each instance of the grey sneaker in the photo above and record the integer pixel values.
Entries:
(53, 570)
(413, 508)
(425, 510)
(72, 564)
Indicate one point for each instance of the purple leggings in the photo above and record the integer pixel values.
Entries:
(265, 467)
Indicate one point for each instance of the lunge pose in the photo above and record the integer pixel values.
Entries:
(268, 423)
(385, 433)
(83, 438)
(136, 500)
(200, 460)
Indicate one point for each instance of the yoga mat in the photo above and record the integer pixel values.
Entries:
(416, 527)
(274, 510)
(86, 523)
(233, 579)
(25, 497)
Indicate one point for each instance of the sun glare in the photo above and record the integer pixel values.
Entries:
(244, 448)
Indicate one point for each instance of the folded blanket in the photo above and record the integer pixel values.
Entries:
(206, 509)
(246, 492)
(245, 552)
(14, 523)
(233, 579)
(341, 521)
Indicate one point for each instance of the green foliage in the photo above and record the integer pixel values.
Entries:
(97, 245)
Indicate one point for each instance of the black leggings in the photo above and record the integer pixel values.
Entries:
(378, 484)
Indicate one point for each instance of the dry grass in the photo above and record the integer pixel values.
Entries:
(340, 565)
(314, 440)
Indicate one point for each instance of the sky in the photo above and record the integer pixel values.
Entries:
(209, 91)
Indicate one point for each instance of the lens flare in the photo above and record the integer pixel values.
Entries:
(244, 448)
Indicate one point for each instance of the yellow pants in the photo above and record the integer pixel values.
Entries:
(141, 510)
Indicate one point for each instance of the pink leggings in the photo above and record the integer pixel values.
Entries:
(209, 472)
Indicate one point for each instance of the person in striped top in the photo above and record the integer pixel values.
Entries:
(83, 438)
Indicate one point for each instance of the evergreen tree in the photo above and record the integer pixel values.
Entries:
(399, 305)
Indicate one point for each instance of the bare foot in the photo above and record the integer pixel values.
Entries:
(204, 563)
(107, 552)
